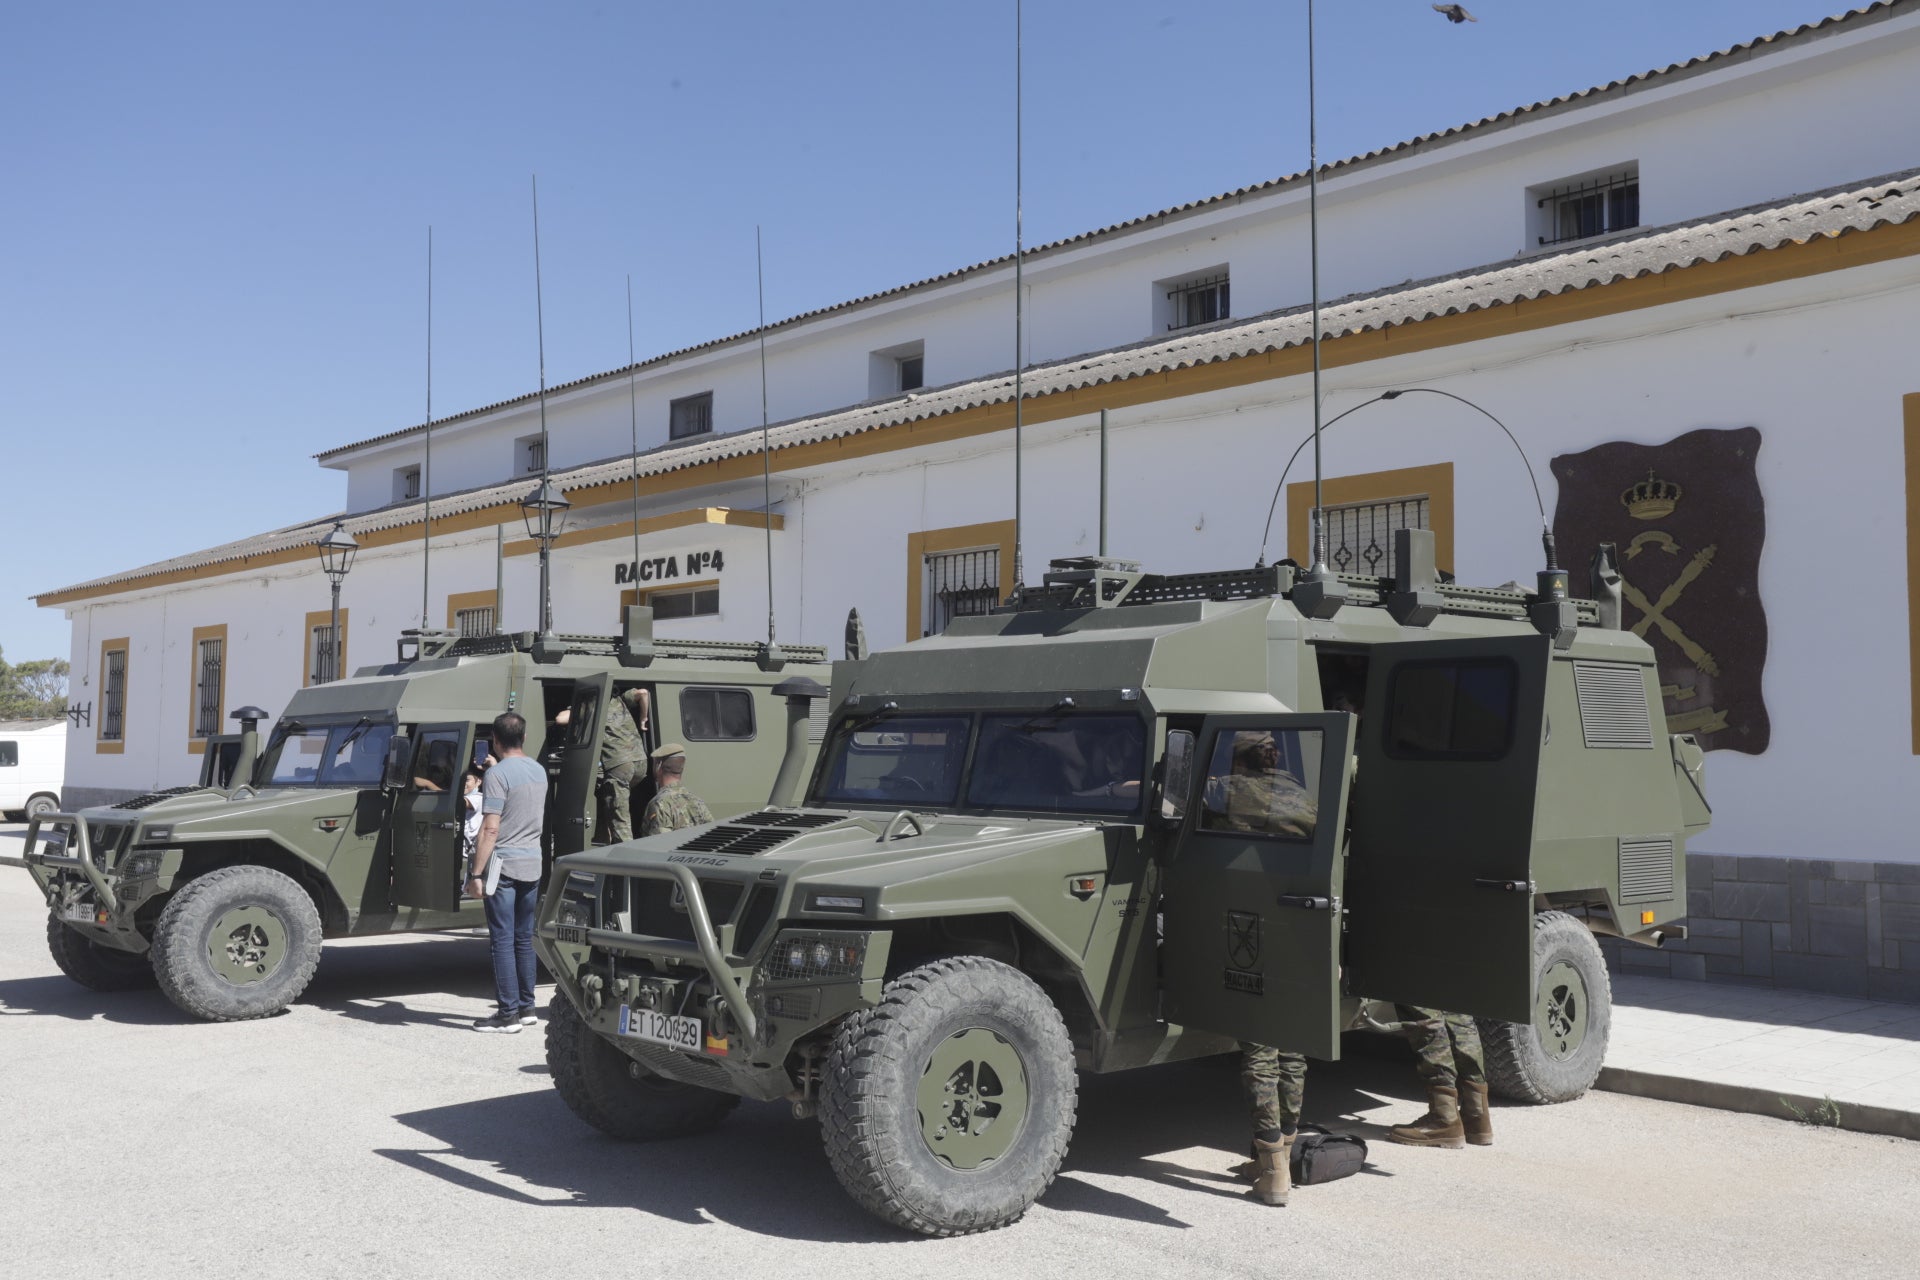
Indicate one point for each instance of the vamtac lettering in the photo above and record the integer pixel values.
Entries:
(690, 564)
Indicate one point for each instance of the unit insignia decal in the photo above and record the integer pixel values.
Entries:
(1688, 521)
(1243, 939)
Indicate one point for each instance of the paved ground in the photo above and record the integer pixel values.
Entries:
(367, 1133)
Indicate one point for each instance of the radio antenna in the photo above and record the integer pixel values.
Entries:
(633, 424)
(1019, 296)
(546, 453)
(426, 470)
(766, 455)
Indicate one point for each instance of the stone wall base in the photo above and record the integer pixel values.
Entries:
(1845, 928)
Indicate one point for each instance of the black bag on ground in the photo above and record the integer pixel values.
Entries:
(1319, 1156)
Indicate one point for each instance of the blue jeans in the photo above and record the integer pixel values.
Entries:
(510, 911)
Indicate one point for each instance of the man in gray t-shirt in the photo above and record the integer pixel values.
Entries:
(506, 870)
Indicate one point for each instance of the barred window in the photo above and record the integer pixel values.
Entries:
(1590, 206)
(113, 716)
(690, 416)
(320, 655)
(960, 584)
(1360, 534)
(210, 676)
(1192, 300)
(477, 621)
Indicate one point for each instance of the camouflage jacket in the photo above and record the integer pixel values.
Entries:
(1273, 804)
(620, 741)
(673, 808)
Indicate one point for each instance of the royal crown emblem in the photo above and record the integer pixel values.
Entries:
(1651, 498)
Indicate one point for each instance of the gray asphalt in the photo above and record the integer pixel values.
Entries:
(368, 1133)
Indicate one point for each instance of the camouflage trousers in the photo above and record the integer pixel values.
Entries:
(1276, 1084)
(1446, 1044)
(616, 799)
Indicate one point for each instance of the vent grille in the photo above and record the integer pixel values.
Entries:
(783, 818)
(818, 713)
(739, 840)
(1613, 704)
(154, 797)
(687, 1068)
(1646, 869)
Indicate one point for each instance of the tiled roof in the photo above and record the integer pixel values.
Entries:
(1829, 214)
(1877, 11)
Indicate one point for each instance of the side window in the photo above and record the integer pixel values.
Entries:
(1263, 782)
(586, 712)
(716, 715)
(1451, 710)
(9, 754)
(436, 760)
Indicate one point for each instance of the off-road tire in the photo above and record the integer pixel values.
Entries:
(183, 944)
(95, 967)
(871, 1119)
(617, 1095)
(40, 804)
(1519, 1064)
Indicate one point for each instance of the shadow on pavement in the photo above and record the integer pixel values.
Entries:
(761, 1171)
(55, 996)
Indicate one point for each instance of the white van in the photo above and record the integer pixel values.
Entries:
(33, 763)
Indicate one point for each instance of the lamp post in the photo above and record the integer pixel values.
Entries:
(542, 510)
(336, 558)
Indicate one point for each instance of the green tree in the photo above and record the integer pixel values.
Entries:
(35, 690)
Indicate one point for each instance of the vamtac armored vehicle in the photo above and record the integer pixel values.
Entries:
(1129, 819)
(346, 821)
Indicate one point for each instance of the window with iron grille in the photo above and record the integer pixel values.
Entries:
(1593, 205)
(406, 483)
(694, 602)
(530, 454)
(211, 669)
(320, 655)
(113, 716)
(1360, 534)
(1195, 300)
(960, 584)
(473, 622)
(690, 416)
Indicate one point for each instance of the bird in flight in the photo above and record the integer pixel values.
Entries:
(1455, 13)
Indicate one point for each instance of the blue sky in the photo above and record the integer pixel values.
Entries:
(212, 243)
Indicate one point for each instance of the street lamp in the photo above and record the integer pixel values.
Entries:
(336, 558)
(543, 509)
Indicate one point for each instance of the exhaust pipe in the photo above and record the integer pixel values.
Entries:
(249, 718)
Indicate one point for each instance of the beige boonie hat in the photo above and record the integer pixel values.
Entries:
(667, 750)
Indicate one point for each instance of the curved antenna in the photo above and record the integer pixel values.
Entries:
(633, 427)
(766, 458)
(1546, 533)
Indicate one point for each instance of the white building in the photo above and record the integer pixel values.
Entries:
(1728, 243)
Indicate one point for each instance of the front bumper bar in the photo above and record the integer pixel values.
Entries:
(31, 856)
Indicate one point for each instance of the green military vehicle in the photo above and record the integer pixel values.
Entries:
(1130, 819)
(346, 822)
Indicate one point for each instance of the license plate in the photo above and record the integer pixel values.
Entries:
(574, 934)
(81, 912)
(679, 1033)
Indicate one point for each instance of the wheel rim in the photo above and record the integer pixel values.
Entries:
(972, 1099)
(247, 944)
(40, 808)
(1560, 1011)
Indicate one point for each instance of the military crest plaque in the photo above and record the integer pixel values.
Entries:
(1688, 521)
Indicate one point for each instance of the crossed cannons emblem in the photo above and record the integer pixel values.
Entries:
(1655, 611)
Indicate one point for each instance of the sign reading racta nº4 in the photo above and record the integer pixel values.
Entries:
(1688, 521)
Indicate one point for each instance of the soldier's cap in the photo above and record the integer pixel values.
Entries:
(668, 750)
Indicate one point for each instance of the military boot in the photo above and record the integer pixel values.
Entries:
(1476, 1117)
(1440, 1127)
(1273, 1176)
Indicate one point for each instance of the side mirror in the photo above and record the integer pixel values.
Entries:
(1176, 780)
(399, 762)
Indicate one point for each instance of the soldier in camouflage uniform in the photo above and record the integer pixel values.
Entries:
(623, 752)
(1276, 1084)
(1258, 795)
(673, 806)
(1453, 1066)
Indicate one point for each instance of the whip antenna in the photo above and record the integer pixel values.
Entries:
(633, 424)
(426, 470)
(766, 457)
(546, 495)
(1019, 299)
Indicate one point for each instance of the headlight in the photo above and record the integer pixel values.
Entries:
(816, 957)
(139, 866)
(577, 898)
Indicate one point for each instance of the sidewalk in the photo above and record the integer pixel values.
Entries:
(1835, 1060)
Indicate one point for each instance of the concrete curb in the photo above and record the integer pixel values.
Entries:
(1760, 1102)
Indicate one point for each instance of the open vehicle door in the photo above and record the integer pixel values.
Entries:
(1252, 891)
(580, 765)
(1441, 891)
(427, 812)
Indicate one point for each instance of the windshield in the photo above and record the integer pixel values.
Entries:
(911, 761)
(337, 755)
(1080, 764)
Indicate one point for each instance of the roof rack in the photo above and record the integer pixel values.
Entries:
(444, 644)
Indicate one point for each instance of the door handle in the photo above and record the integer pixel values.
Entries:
(578, 822)
(1309, 902)
(446, 826)
(1506, 886)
